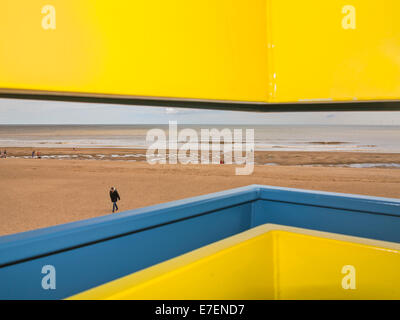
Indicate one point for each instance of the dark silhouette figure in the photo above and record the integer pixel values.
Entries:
(114, 198)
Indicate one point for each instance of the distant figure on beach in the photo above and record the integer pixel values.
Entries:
(5, 154)
(33, 153)
(114, 198)
(38, 155)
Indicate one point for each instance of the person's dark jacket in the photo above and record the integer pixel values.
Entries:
(114, 196)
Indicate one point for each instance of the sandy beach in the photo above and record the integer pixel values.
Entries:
(260, 157)
(43, 192)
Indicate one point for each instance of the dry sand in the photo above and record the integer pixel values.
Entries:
(39, 193)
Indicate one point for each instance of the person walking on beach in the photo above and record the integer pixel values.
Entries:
(33, 154)
(114, 198)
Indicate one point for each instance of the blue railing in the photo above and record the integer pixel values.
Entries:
(92, 252)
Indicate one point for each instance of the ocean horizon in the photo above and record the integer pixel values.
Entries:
(351, 138)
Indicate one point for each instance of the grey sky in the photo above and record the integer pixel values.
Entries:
(51, 112)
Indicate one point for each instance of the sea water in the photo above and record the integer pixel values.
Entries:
(384, 139)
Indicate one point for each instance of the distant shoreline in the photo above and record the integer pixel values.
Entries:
(270, 158)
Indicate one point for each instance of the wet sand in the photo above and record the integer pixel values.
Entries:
(38, 193)
(261, 157)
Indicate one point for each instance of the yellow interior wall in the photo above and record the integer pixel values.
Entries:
(311, 268)
(267, 262)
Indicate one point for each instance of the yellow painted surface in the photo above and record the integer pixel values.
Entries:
(176, 48)
(315, 57)
(269, 262)
(232, 50)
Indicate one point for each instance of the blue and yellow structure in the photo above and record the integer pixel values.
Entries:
(94, 252)
(264, 55)
(268, 262)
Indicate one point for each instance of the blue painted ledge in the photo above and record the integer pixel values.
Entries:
(94, 251)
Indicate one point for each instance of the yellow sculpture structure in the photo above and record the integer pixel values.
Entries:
(255, 51)
(269, 262)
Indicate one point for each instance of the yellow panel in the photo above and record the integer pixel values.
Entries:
(269, 262)
(231, 50)
(177, 48)
(317, 55)
(200, 274)
(311, 268)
